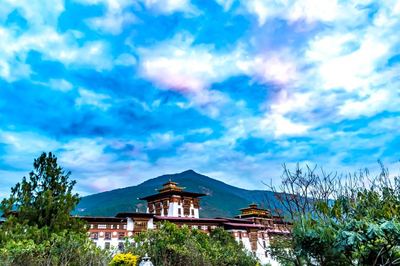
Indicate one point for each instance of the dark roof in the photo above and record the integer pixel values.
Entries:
(255, 215)
(170, 193)
(134, 214)
(253, 207)
(241, 225)
(238, 220)
(191, 219)
(101, 219)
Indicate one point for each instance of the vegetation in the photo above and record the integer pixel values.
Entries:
(37, 247)
(337, 220)
(39, 229)
(124, 259)
(170, 245)
(350, 220)
(45, 199)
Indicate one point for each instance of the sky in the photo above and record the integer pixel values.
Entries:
(122, 91)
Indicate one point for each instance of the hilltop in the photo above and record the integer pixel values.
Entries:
(222, 200)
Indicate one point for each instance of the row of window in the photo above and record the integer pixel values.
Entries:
(244, 234)
(107, 226)
(186, 212)
(107, 235)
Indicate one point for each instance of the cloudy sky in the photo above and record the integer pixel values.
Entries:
(127, 90)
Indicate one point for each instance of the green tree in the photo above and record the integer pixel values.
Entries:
(39, 229)
(170, 245)
(45, 199)
(35, 247)
(341, 220)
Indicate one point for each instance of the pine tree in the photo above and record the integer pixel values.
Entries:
(45, 199)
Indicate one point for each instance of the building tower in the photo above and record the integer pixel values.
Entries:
(253, 211)
(173, 201)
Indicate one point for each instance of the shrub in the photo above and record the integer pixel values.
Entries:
(171, 245)
(124, 259)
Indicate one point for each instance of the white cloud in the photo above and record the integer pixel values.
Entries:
(342, 73)
(314, 10)
(37, 13)
(178, 65)
(348, 70)
(309, 11)
(264, 9)
(374, 103)
(60, 84)
(91, 98)
(115, 18)
(162, 140)
(42, 36)
(27, 143)
(190, 69)
(270, 68)
(225, 3)
(171, 6)
(282, 126)
(112, 22)
(80, 152)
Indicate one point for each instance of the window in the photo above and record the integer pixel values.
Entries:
(213, 227)
(204, 227)
(102, 226)
(121, 235)
(107, 245)
(124, 226)
(91, 226)
(117, 226)
(192, 212)
(120, 246)
(94, 236)
(195, 227)
(108, 236)
(264, 244)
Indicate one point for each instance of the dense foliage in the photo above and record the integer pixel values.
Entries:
(39, 229)
(29, 245)
(170, 245)
(45, 199)
(353, 221)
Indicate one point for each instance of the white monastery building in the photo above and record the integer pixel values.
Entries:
(254, 227)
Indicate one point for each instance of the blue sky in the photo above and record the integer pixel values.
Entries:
(127, 90)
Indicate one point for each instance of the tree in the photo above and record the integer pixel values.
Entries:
(29, 245)
(170, 245)
(341, 220)
(39, 229)
(45, 199)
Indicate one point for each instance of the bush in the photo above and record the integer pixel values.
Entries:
(173, 246)
(124, 259)
(36, 247)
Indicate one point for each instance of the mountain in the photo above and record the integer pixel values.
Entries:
(222, 200)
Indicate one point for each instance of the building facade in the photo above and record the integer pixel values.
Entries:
(254, 227)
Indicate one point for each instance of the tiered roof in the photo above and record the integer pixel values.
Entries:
(171, 188)
(254, 211)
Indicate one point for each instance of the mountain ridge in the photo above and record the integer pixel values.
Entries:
(222, 200)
